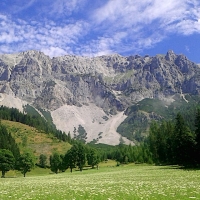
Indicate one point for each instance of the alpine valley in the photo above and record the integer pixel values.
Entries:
(106, 99)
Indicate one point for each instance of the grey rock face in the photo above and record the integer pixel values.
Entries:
(111, 82)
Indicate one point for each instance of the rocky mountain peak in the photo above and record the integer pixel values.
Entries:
(170, 56)
(110, 83)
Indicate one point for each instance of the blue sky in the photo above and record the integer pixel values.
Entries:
(100, 27)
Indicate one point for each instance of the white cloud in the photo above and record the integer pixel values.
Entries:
(146, 22)
(60, 8)
(24, 6)
(54, 51)
(117, 26)
(53, 39)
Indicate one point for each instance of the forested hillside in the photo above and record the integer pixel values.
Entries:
(135, 126)
(33, 120)
(175, 141)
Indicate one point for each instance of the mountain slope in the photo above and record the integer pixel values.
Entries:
(30, 138)
(87, 96)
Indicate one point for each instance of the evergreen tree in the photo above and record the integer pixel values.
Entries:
(76, 157)
(119, 155)
(55, 162)
(12, 114)
(63, 165)
(7, 161)
(92, 157)
(81, 156)
(71, 158)
(43, 160)
(197, 135)
(69, 137)
(153, 141)
(25, 163)
(8, 142)
(169, 132)
(183, 143)
(162, 142)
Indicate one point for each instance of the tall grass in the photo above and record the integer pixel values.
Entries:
(124, 182)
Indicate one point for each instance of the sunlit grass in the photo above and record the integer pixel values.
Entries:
(124, 182)
(38, 142)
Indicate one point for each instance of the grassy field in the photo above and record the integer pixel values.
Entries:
(109, 182)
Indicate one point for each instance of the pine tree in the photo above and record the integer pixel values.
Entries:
(197, 135)
(7, 161)
(55, 162)
(42, 160)
(153, 143)
(184, 143)
(71, 158)
(92, 157)
(8, 142)
(81, 156)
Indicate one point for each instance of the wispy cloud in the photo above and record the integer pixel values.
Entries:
(146, 22)
(23, 6)
(61, 8)
(52, 39)
(59, 27)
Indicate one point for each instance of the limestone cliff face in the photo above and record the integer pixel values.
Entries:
(111, 82)
(108, 83)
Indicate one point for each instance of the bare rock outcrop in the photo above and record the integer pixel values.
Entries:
(111, 82)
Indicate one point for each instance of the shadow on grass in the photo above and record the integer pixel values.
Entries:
(189, 168)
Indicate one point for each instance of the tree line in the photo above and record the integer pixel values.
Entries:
(77, 157)
(169, 142)
(81, 155)
(173, 142)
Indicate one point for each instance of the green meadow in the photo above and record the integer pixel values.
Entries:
(107, 183)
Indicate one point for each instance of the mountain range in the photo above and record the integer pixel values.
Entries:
(99, 99)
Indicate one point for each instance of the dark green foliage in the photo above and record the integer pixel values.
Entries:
(47, 116)
(81, 136)
(173, 143)
(55, 162)
(140, 115)
(160, 141)
(154, 129)
(183, 142)
(34, 120)
(25, 163)
(138, 154)
(76, 157)
(8, 142)
(31, 111)
(124, 153)
(81, 156)
(43, 161)
(197, 135)
(92, 157)
(104, 151)
(7, 161)
(133, 126)
(62, 166)
(71, 158)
